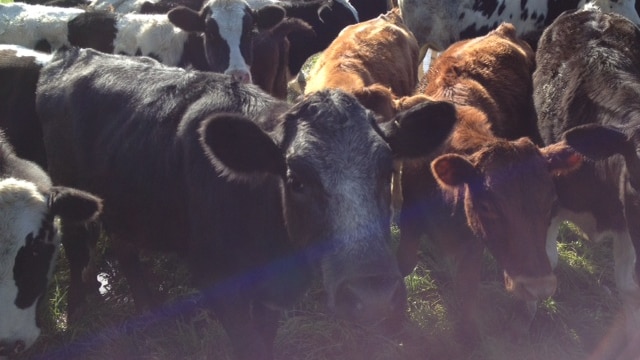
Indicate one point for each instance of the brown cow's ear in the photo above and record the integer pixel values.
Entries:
(378, 99)
(561, 158)
(239, 149)
(269, 16)
(452, 170)
(186, 19)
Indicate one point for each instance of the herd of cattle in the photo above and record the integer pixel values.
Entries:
(167, 123)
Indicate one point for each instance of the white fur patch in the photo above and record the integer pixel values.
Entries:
(625, 8)
(22, 209)
(152, 35)
(21, 51)
(119, 6)
(24, 24)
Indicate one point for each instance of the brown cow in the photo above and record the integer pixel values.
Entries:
(375, 60)
(489, 185)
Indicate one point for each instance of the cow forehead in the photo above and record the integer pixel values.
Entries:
(334, 126)
(509, 165)
(228, 13)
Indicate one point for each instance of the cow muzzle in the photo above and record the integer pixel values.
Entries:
(370, 300)
(241, 76)
(12, 348)
(531, 288)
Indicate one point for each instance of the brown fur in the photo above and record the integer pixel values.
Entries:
(491, 185)
(376, 60)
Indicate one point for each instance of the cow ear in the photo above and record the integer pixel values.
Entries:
(421, 129)
(269, 16)
(239, 149)
(378, 99)
(186, 19)
(74, 205)
(453, 170)
(597, 142)
(561, 158)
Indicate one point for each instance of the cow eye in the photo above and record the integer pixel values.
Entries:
(294, 184)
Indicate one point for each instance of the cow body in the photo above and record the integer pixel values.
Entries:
(29, 242)
(35, 26)
(376, 60)
(489, 186)
(217, 38)
(437, 24)
(599, 113)
(224, 186)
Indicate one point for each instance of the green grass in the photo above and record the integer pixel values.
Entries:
(569, 326)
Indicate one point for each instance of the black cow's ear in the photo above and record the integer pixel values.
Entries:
(239, 148)
(186, 19)
(269, 16)
(598, 142)
(74, 205)
(421, 129)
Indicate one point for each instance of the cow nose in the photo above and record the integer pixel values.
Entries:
(12, 348)
(531, 288)
(371, 299)
(241, 76)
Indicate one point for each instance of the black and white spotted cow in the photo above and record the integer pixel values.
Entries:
(29, 242)
(37, 27)
(326, 17)
(217, 38)
(437, 24)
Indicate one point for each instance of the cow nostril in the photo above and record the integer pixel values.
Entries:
(370, 299)
(19, 347)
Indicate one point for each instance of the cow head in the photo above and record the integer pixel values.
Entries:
(29, 243)
(227, 28)
(509, 199)
(336, 164)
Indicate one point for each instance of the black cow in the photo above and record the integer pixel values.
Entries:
(254, 192)
(29, 242)
(587, 87)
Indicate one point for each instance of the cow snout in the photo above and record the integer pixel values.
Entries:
(241, 76)
(12, 348)
(370, 300)
(531, 288)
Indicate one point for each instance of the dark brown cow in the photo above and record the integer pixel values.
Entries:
(376, 60)
(491, 186)
(588, 84)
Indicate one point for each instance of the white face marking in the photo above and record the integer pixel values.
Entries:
(22, 210)
(21, 51)
(228, 15)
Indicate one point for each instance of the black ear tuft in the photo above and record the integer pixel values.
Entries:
(598, 142)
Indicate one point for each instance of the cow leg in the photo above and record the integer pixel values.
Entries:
(624, 257)
(414, 215)
(129, 262)
(79, 242)
(467, 280)
(266, 321)
(235, 314)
